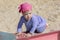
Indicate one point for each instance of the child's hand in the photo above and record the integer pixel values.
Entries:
(21, 35)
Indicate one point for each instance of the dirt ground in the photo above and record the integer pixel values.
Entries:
(9, 15)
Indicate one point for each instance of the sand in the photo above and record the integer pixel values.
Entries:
(9, 15)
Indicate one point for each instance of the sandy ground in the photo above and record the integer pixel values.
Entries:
(9, 15)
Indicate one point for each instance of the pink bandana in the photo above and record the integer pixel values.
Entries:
(25, 7)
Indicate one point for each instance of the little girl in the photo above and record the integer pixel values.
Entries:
(33, 23)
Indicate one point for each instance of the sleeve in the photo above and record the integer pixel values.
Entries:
(19, 28)
(35, 22)
(43, 22)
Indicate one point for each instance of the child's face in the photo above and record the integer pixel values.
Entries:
(27, 15)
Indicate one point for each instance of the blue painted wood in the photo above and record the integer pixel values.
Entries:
(7, 36)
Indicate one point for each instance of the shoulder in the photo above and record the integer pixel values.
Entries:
(36, 16)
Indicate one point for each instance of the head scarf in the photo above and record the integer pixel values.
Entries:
(25, 7)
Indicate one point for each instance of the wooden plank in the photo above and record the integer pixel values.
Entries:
(46, 36)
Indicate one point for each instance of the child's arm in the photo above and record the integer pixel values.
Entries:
(34, 25)
(19, 28)
(36, 22)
